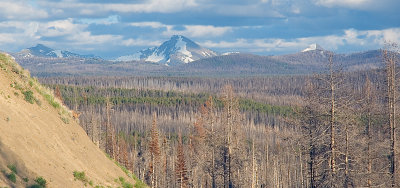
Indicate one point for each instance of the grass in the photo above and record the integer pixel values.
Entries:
(124, 183)
(65, 119)
(138, 183)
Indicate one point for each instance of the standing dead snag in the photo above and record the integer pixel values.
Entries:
(370, 100)
(110, 132)
(180, 169)
(232, 147)
(57, 93)
(390, 61)
(154, 153)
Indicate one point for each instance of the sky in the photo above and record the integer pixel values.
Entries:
(110, 29)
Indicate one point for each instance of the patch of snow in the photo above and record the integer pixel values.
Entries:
(312, 47)
(206, 53)
(155, 57)
(58, 53)
(181, 46)
(229, 53)
(187, 59)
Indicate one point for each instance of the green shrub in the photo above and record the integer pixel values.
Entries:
(80, 176)
(13, 168)
(12, 177)
(25, 179)
(29, 96)
(41, 181)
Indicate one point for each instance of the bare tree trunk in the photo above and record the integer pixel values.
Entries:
(368, 130)
(253, 177)
(391, 87)
(346, 160)
(332, 119)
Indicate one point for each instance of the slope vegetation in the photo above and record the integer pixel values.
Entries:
(39, 138)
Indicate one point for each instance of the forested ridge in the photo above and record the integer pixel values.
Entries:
(335, 129)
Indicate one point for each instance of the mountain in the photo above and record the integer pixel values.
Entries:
(313, 47)
(312, 59)
(312, 55)
(175, 51)
(40, 138)
(239, 64)
(41, 50)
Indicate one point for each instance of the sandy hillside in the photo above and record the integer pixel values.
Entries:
(36, 138)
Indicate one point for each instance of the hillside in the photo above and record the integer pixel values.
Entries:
(41, 139)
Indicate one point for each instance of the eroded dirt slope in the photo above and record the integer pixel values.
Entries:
(42, 139)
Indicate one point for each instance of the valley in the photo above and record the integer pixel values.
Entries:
(235, 118)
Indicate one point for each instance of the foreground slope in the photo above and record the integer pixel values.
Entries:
(42, 139)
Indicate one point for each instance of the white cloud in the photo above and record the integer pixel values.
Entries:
(60, 28)
(86, 38)
(198, 31)
(154, 25)
(30, 33)
(140, 42)
(20, 10)
(381, 5)
(343, 3)
(371, 39)
(113, 19)
(162, 6)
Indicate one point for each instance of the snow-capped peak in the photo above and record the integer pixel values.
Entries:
(313, 47)
(41, 50)
(177, 50)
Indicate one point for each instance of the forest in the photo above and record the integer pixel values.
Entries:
(333, 129)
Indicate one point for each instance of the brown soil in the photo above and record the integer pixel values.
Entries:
(35, 138)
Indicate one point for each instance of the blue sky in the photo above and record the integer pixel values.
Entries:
(266, 27)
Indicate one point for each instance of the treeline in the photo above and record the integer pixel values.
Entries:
(175, 109)
(276, 90)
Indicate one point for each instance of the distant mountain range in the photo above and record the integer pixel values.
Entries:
(184, 57)
(41, 50)
(175, 51)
